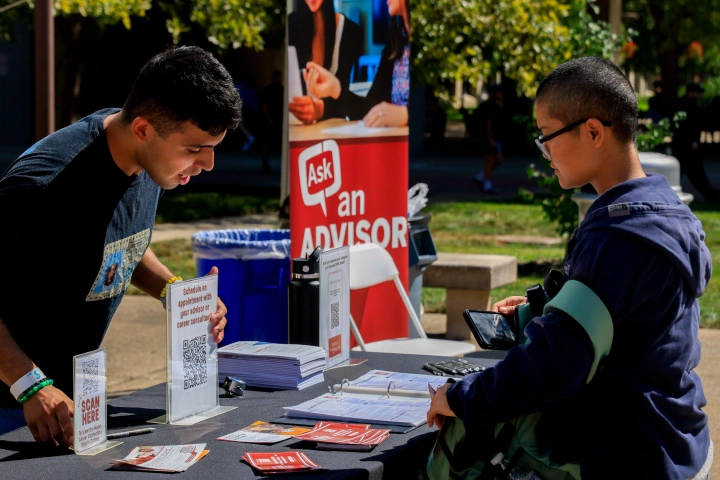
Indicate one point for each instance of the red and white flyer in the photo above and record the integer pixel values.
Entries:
(167, 458)
(345, 436)
(277, 462)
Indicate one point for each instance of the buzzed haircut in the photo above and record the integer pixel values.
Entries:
(184, 84)
(591, 87)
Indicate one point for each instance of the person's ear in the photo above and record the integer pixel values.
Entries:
(142, 129)
(596, 132)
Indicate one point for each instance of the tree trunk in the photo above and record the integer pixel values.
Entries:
(68, 30)
(670, 79)
(667, 47)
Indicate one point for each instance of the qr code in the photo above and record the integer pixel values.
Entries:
(90, 384)
(194, 362)
(335, 315)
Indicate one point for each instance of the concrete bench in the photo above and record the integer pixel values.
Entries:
(468, 279)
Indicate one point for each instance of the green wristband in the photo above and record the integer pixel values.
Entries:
(34, 389)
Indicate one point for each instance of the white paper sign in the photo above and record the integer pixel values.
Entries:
(294, 81)
(192, 351)
(89, 395)
(335, 304)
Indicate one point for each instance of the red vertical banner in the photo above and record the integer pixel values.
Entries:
(348, 84)
(346, 191)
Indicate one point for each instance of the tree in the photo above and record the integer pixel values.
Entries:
(228, 24)
(666, 28)
(526, 39)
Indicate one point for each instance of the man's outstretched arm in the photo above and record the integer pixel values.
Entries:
(48, 412)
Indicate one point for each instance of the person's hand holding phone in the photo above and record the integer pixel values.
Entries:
(508, 305)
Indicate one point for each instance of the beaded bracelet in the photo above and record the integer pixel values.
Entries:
(34, 389)
(164, 290)
(29, 389)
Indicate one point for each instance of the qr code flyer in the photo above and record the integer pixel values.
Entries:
(89, 396)
(193, 363)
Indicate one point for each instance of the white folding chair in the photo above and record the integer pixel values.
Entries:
(370, 264)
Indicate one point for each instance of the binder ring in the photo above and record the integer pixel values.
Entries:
(391, 384)
(344, 380)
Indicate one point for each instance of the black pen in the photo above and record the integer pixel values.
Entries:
(433, 370)
(447, 371)
(130, 433)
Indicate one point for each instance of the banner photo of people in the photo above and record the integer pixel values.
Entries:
(348, 91)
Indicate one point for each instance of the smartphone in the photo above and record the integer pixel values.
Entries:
(492, 330)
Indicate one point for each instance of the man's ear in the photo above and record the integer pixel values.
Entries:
(596, 131)
(142, 129)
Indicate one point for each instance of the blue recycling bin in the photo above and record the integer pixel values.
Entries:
(253, 276)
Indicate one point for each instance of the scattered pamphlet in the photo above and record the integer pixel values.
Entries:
(272, 365)
(167, 458)
(263, 432)
(280, 462)
(345, 436)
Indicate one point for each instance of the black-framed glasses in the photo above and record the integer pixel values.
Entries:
(540, 141)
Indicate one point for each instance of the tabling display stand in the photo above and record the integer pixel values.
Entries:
(192, 365)
(335, 305)
(90, 397)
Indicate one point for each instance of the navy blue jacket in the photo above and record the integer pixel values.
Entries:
(643, 253)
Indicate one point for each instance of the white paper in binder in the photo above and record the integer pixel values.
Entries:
(379, 397)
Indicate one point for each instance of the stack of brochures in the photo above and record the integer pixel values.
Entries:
(268, 463)
(272, 365)
(345, 436)
(379, 396)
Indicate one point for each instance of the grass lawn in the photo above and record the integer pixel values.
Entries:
(184, 207)
(710, 301)
(473, 227)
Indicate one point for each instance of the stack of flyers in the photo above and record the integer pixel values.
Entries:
(167, 458)
(263, 432)
(345, 436)
(280, 462)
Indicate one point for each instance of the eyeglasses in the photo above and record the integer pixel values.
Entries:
(540, 141)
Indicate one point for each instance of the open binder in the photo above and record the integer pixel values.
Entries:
(391, 391)
(378, 397)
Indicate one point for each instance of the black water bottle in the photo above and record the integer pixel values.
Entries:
(304, 293)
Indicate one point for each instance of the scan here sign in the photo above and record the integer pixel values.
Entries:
(348, 192)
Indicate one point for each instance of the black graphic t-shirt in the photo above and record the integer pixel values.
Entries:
(73, 227)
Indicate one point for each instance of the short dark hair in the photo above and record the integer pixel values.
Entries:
(591, 87)
(184, 84)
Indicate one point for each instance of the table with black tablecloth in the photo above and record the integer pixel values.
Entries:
(397, 457)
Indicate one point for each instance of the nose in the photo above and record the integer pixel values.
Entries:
(206, 161)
